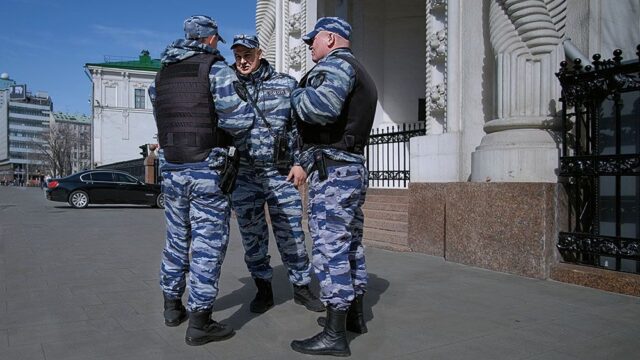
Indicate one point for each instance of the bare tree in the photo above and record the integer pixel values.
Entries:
(56, 148)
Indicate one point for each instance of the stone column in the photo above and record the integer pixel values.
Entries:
(521, 143)
(436, 156)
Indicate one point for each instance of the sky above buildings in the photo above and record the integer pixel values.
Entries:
(45, 43)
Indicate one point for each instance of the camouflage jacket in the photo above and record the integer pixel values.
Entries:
(321, 101)
(271, 92)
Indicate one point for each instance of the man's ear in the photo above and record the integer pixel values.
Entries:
(259, 53)
(331, 40)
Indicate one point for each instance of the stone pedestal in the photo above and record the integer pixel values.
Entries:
(507, 227)
(435, 158)
(150, 165)
(602, 279)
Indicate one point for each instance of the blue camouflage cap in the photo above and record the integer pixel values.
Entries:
(248, 41)
(200, 26)
(331, 24)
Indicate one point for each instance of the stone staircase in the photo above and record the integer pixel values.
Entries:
(386, 219)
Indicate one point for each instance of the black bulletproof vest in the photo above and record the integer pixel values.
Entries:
(185, 112)
(351, 131)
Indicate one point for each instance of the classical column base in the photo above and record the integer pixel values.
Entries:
(517, 155)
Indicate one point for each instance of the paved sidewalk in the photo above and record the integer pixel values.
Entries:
(82, 284)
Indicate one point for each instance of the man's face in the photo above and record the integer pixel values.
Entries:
(247, 60)
(320, 46)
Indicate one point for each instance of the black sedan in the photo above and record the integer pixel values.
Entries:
(104, 187)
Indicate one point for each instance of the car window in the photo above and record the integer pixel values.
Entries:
(85, 177)
(102, 176)
(125, 178)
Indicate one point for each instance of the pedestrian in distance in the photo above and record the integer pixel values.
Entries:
(192, 96)
(335, 105)
(269, 173)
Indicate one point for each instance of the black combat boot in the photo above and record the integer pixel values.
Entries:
(331, 341)
(202, 329)
(303, 296)
(355, 317)
(264, 298)
(174, 312)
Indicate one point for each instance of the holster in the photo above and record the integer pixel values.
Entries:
(229, 173)
(281, 154)
(320, 165)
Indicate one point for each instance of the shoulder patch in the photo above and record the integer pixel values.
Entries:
(316, 80)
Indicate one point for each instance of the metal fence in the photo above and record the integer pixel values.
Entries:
(387, 155)
(388, 152)
(600, 162)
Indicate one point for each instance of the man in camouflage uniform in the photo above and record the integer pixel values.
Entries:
(193, 95)
(259, 181)
(336, 104)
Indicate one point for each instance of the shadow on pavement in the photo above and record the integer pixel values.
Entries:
(282, 292)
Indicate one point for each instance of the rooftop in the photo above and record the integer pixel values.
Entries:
(79, 118)
(144, 62)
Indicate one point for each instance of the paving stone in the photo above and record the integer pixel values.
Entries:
(92, 293)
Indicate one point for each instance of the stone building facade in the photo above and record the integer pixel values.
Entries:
(484, 185)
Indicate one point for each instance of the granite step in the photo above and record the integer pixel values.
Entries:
(386, 246)
(382, 206)
(385, 215)
(380, 224)
(385, 236)
(388, 199)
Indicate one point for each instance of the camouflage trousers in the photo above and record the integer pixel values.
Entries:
(254, 187)
(335, 223)
(197, 219)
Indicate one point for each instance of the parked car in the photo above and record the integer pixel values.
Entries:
(104, 187)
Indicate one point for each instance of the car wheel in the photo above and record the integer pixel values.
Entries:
(79, 199)
(159, 201)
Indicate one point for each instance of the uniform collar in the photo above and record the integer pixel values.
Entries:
(342, 50)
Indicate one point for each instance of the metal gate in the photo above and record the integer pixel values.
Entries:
(387, 154)
(600, 162)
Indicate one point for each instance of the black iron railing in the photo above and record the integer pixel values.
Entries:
(387, 154)
(600, 162)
